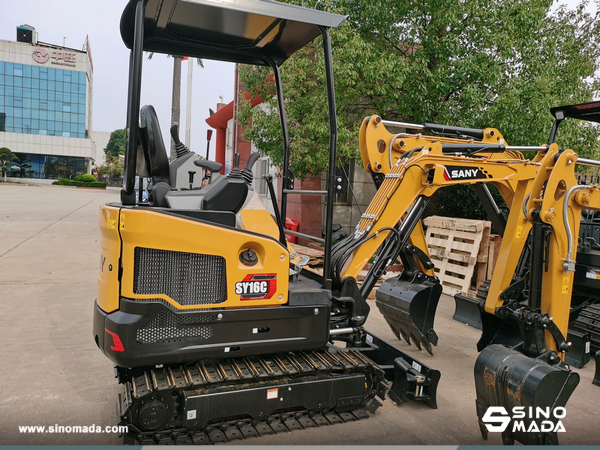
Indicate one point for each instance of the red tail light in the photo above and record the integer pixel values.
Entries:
(117, 344)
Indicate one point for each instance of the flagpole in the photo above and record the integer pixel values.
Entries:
(188, 106)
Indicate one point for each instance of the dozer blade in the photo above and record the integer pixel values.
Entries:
(409, 309)
(508, 379)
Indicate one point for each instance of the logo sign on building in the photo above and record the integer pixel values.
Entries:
(40, 56)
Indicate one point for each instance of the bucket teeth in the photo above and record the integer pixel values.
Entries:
(409, 309)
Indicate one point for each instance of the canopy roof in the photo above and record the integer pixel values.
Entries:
(584, 111)
(241, 31)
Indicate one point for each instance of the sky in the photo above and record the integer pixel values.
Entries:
(99, 19)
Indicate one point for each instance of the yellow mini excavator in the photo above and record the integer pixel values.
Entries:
(218, 331)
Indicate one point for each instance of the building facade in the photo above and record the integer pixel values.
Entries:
(46, 103)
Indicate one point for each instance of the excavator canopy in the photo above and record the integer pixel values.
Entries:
(248, 31)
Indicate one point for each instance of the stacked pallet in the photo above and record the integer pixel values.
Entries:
(315, 255)
(459, 250)
(363, 273)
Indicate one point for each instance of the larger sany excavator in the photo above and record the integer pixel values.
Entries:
(216, 329)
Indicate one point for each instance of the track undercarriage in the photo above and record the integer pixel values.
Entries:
(212, 401)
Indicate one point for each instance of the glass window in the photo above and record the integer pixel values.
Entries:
(66, 134)
(35, 93)
(51, 115)
(66, 117)
(51, 85)
(27, 82)
(18, 81)
(1, 102)
(59, 74)
(35, 113)
(26, 109)
(82, 88)
(59, 86)
(58, 116)
(52, 75)
(18, 72)
(43, 73)
(1, 78)
(43, 95)
(66, 87)
(43, 115)
(59, 126)
(26, 93)
(44, 105)
(27, 71)
(67, 76)
(9, 90)
(18, 102)
(66, 107)
(82, 78)
(9, 68)
(82, 99)
(35, 83)
(9, 100)
(35, 72)
(8, 80)
(74, 88)
(35, 124)
(1, 66)
(18, 111)
(73, 127)
(51, 95)
(81, 118)
(59, 97)
(44, 85)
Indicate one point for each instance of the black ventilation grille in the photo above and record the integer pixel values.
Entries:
(188, 278)
(170, 327)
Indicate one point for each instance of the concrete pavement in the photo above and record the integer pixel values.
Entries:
(52, 373)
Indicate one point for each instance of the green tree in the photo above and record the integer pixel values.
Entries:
(111, 167)
(116, 143)
(498, 63)
(7, 160)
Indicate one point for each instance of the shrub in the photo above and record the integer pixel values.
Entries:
(78, 178)
(87, 178)
(67, 182)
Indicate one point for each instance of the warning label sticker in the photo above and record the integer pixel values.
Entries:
(272, 393)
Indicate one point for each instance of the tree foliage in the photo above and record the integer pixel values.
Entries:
(7, 160)
(116, 143)
(111, 167)
(495, 63)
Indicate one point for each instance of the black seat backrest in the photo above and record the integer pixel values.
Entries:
(157, 161)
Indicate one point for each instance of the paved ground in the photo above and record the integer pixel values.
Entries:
(52, 373)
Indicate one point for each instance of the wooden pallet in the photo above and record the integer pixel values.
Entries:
(456, 246)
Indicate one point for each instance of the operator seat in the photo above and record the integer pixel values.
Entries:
(155, 155)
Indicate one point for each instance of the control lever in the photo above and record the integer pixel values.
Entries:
(247, 172)
(191, 173)
(180, 148)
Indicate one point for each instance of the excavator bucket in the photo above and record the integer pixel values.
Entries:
(532, 393)
(409, 309)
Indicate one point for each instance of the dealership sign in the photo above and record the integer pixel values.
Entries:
(41, 56)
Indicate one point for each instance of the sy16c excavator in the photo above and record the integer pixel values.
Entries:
(216, 329)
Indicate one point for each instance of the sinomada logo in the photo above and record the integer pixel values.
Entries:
(530, 420)
(257, 287)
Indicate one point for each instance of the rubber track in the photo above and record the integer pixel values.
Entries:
(244, 370)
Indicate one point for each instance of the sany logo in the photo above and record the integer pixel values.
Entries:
(496, 419)
(40, 55)
(257, 287)
(463, 173)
